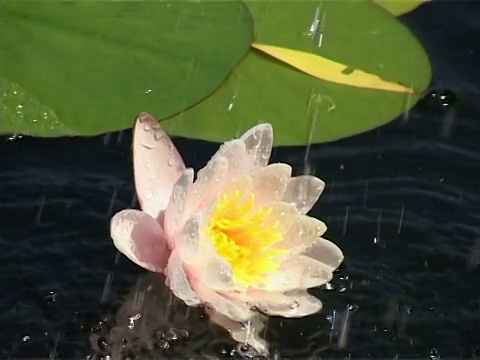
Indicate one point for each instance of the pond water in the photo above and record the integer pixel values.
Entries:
(401, 201)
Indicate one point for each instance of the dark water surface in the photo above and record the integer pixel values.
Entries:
(401, 201)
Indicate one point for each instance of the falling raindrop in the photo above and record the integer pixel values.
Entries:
(401, 219)
(112, 202)
(345, 223)
(107, 287)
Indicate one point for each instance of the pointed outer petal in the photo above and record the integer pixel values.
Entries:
(157, 164)
(270, 182)
(283, 214)
(236, 154)
(258, 143)
(178, 281)
(140, 238)
(187, 241)
(325, 252)
(301, 272)
(210, 180)
(304, 191)
(303, 233)
(175, 215)
(237, 311)
(243, 334)
(300, 304)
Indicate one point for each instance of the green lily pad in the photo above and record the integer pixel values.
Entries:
(301, 108)
(97, 64)
(24, 111)
(399, 7)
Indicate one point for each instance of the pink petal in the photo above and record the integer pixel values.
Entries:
(300, 303)
(177, 213)
(140, 238)
(270, 182)
(258, 144)
(210, 180)
(235, 310)
(300, 272)
(236, 154)
(157, 165)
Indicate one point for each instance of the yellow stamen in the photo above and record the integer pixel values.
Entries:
(242, 235)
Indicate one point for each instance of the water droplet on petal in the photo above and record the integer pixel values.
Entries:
(149, 194)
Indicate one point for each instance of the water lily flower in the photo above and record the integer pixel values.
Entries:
(235, 238)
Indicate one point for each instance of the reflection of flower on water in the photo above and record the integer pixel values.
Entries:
(236, 239)
(153, 323)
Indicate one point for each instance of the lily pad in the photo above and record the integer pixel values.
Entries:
(96, 64)
(400, 7)
(304, 109)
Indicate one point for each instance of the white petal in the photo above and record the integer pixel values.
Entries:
(187, 242)
(300, 272)
(140, 238)
(243, 185)
(217, 273)
(210, 179)
(270, 182)
(235, 310)
(258, 143)
(178, 281)
(303, 192)
(281, 214)
(238, 161)
(325, 252)
(175, 215)
(157, 164)
(300, 304)
(304, 232)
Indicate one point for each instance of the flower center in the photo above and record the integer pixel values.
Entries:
(242, 235)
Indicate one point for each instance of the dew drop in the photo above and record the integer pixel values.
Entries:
(294, 304)
(149, 194)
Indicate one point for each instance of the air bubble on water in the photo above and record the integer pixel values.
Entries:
(51, 297)
(132, 319)
(26, 338)
(434, 354)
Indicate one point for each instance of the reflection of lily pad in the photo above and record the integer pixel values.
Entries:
(302, 108)
(399, 7)
(98, 63)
